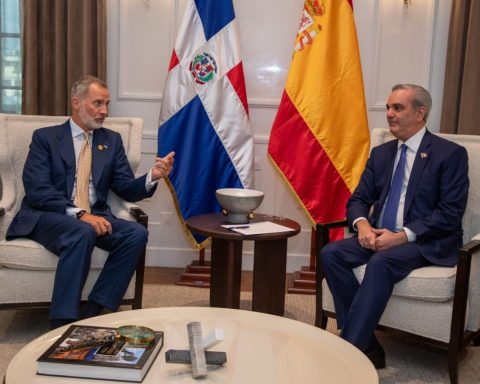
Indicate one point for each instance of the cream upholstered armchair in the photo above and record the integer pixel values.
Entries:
(27, 269)
(438, 305)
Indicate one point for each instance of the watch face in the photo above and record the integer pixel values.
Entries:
(136, 334)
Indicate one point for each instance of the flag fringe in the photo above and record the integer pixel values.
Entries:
(291, 189)
(187, 232)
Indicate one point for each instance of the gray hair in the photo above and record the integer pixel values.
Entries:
(80, 87)
(421, 97)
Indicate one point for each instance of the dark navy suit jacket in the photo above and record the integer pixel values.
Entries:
(49, 175)
(436, 195)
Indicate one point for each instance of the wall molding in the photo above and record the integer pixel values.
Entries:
(123, 91)
(126, 94)
(260, 102)
(181, 257)
(150, 136)
(377, 102)
(254, 102)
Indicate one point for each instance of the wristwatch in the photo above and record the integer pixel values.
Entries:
(79, 214)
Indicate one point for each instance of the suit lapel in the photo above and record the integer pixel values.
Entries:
(99, 154)
(421, 160)
(390, 159)
(67, 153)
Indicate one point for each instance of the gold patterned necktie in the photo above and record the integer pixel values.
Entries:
(82, 199)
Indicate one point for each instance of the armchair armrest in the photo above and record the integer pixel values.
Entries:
(139, 215)
(323, 231)
(470, 248)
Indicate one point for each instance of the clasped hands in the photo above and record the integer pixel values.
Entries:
(378, 239)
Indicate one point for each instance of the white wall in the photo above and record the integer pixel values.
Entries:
(398, 44)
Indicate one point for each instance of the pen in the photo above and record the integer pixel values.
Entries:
(240, 227)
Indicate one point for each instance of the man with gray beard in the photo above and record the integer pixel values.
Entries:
(67, 175)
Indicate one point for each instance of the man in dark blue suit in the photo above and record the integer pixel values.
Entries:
(69, 223)
(421, 226)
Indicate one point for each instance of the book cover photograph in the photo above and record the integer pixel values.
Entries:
(124, 353)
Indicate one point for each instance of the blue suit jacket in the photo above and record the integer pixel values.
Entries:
(49, 175)
(436, 195)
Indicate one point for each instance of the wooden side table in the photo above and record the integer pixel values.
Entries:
(269, 264)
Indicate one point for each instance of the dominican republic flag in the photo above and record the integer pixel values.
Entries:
(204, 113)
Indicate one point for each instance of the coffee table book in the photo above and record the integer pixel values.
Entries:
(122, 360)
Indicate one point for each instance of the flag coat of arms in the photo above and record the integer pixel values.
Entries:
(204, 113)
(319, 141)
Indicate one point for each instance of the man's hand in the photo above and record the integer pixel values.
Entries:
(387, 239)
(101, 225)
(366, 235)
(163, 166)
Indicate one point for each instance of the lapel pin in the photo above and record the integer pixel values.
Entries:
(100, 147)
(423, 155)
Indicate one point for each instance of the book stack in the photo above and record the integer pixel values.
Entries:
(100, 353)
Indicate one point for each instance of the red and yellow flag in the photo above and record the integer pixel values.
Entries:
(319, 141)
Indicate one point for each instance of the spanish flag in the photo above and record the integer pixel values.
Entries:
(319, 141)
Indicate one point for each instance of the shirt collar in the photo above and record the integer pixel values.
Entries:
(414, 142)
(76, 130)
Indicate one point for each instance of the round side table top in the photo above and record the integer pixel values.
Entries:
(260, 348)
(210, 224)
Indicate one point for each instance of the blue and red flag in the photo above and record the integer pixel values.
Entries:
(204, 112)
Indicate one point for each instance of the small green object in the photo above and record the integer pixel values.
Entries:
(135, 334)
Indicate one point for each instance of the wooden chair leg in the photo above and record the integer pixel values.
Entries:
(458, 312)
(139, 279)
(141, 218)
(453, 360)
(324, 322)
(476, 341)
(319, 315)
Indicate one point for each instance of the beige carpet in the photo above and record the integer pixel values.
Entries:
(405, 363)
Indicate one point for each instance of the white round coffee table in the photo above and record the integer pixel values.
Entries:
(260, 348)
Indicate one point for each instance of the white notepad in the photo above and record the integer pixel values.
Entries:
(259, 228)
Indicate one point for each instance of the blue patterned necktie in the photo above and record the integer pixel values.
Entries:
(391, 207)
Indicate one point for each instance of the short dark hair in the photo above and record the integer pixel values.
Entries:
(421, 97)
(80, 87)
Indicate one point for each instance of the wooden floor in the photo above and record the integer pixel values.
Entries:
(160, 275)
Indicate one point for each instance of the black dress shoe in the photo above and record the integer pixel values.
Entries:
(377, 357)
(90, 309)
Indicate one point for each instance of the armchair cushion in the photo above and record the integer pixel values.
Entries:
(27, 254)
(432, 283)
